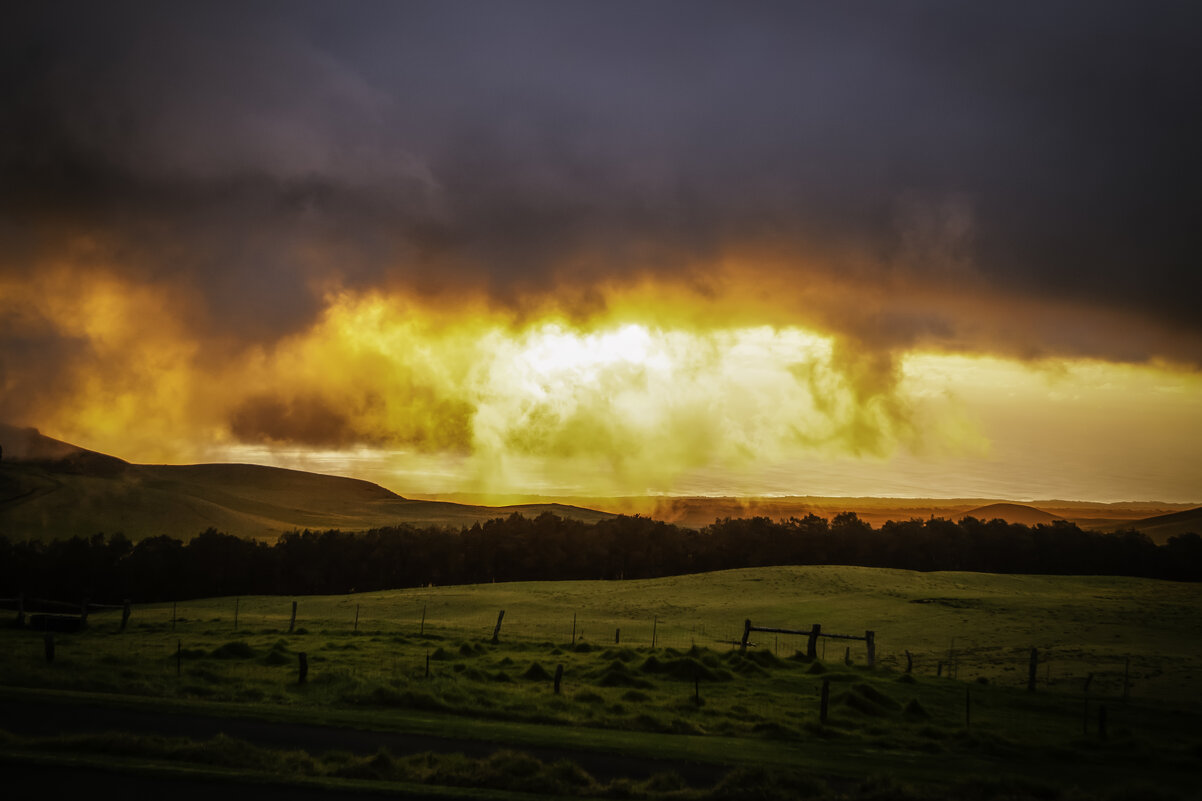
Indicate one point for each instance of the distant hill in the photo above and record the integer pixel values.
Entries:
(51, 489)
(1161, 527)
(1012, 513)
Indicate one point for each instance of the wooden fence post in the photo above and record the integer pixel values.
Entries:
(1031, 670)
(496, 632)
(617, 636)
(939, 669)
(812, 643)
(427, 661)
(558, 677)
(303, 667)
(1085, 705)
(746, 635)
(825, 701)
(573, 628)
(356, 629)
(654, 626)
(292, 622)
(422, 628)
(847, 655)
(125, 614)
(909, 662)
(870, 638)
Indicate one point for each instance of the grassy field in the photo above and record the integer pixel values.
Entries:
(694, 696)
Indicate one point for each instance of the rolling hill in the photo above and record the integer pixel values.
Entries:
(51, 489)
(1011, 513)
(1161, 527)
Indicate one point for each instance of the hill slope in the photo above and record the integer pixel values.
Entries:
(51, 489)
(1161, 527)
(1011, 513)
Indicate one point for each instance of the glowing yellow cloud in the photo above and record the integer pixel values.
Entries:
(688, 395)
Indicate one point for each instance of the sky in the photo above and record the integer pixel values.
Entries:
(919, 249)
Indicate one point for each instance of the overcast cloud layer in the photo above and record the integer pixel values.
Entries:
(935, 158)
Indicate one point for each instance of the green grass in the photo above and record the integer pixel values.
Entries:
(754, 712)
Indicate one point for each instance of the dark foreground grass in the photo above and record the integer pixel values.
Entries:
(506, 774)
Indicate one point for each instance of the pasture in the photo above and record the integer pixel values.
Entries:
(677, 684)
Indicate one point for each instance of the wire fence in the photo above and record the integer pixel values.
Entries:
(1067, 670)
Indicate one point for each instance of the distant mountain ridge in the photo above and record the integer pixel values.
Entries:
(51, 489)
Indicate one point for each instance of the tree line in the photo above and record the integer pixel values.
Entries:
(515, 548)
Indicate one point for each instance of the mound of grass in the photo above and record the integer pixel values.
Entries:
(764, 658)
(622, 678)
(536, 672)
(582, 647)
(775, 731)
(276, 658)
(588, 697)
(441, 655)
(684, 669)
(876, 696)
(380, 696)
(766, 784)
(613, 667)
(236, 649)
(746, 667)
(280, 654)
(906, 678)
(915, 711)
(466, 650)
(816, 668)
(665, 782)
(865, 706)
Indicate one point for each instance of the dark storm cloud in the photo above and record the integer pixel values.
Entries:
(254, 152)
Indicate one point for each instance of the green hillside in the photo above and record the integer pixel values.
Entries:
(50, 489)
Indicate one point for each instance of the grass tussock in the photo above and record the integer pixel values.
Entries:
(237, 649)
